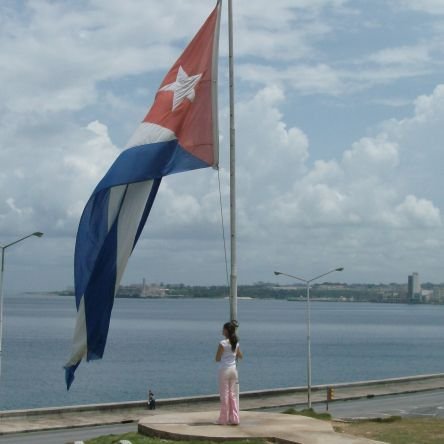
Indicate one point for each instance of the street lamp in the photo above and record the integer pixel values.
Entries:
(2, 269)
(307, 283)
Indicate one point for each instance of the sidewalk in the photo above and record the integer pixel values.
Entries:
(92, 415)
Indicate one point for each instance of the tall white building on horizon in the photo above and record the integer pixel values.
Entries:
(414, 288)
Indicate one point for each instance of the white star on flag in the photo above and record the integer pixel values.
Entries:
(183, 87)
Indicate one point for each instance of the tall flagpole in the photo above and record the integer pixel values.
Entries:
(233, 276)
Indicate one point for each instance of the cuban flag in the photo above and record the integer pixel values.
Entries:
(179, 133)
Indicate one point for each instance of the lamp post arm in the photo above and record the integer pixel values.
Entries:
(17, 241)
(322, 275)
(294, 277)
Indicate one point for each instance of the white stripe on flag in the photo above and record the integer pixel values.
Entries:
(79, 346)
(128, 223)
(115, 199)
(150, 133)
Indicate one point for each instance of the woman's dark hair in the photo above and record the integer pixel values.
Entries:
(232, 337)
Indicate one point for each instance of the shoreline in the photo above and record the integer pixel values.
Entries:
(241, 298)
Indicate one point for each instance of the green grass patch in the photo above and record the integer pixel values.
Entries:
(396, 430)
(308, 412)
(136, 438)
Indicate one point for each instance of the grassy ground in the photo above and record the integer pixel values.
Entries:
(135, 438)
(396, 430)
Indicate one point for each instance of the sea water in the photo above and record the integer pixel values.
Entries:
(168, 345)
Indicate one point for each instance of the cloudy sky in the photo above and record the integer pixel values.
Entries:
(340, 130)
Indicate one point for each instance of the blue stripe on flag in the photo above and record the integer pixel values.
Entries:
(91, 234)
(69, 374)
(99, 295)
(152, 161)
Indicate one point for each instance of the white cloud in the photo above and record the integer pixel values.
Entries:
(382, 67)
(393, 102)
(429, 6)
(418, 212)
(401, 55)
(429, 107)
(306, 79)
(57, 176)
(363, 188)
(286, 31)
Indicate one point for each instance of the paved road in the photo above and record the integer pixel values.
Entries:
(415, 404)
(430, 403)
(67, 435)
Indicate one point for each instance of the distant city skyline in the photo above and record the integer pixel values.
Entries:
(409, 292)
(292, 283)
(339, 111)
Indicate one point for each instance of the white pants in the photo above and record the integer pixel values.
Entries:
(228, 389)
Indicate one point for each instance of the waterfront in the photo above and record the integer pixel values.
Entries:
(169, 345)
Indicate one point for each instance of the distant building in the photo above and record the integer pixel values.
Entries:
(143, 290)
(438, 295)
(427, 296)
(414, 288)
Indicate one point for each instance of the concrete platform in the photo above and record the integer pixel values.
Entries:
(276, 427)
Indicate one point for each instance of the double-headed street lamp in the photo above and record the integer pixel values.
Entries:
(307, 283)
(2, 269)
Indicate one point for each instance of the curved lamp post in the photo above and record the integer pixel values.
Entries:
(2, 269)
(307, 283)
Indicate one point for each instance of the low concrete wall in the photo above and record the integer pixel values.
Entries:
(116, 406)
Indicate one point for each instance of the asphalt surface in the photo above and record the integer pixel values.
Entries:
(67, 435)
(429, 404)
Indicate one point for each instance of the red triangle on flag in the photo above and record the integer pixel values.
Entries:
(186, 102)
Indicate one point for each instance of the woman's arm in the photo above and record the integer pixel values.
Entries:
(219, 353)
(239, 354)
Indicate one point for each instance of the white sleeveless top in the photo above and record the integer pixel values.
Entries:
(228, 359)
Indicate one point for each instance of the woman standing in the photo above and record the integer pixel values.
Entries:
(227, 355)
